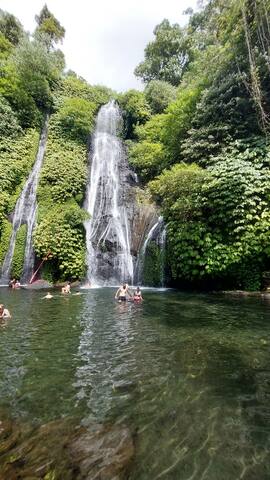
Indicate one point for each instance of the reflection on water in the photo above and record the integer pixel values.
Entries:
(189, 373)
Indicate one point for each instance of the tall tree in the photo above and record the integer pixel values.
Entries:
(49, 26)
(10, 27)
(167, 57)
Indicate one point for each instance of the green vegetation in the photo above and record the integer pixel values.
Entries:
(32, 84)
(152, 265)
(136, 111)
(206, 157)
(49, 27)
(61, 236)
(60, 219)
(159, 95)
(147, 158)
(167, 57)
(17, 156)
(60, 231)
(18, 257)
(198, 136)
(76, 118)
(6, 231)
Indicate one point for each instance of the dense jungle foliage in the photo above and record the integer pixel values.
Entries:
(205, 155)
(33, 84)
(198, 137)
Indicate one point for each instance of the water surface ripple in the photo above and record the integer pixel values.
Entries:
(190, 374)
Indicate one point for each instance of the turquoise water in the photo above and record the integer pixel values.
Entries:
(188, 374)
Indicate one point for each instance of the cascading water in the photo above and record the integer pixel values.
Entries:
(107, 232)
(140, 260)
(25, 213)
(157, 234)
(162, 246)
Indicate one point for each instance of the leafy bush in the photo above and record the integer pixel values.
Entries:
(60, 228)
(177, 190)
(159, 95)
(5, 47)
(64, 170)
(179, 119)
(148, 159)
(152, 265)
(57, 235)
(9, 126)
(72, 86)
(6, 231)
(152, 130)
(16, 159)
(76, 118)
(18, 256)
(218, 219)
(136, 111)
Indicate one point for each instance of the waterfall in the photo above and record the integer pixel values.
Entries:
(162, 245)
(157, 234)
(25, 213)
(109, 260)
(140, 259)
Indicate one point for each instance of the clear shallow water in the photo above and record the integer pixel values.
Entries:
(190, 374)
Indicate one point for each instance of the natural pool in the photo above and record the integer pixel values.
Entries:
(189, 375)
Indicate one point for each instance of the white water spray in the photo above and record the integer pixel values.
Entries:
(109, 259)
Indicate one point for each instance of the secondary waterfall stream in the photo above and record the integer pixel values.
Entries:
(109, 259)
(25, 213)
(157, 234)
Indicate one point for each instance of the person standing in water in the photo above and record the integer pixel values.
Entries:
(137, 297)
(122, 292)
(4, 313)
(66, 289)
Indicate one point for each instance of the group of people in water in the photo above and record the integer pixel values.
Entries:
(65, 289)
(123, 294)
(14, 283)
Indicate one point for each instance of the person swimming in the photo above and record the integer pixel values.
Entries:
(49, 295)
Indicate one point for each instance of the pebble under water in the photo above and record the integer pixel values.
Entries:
(187, 374)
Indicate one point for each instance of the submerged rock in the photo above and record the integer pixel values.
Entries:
(103, 452)
(60, 451)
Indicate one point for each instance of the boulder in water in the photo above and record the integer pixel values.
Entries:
(38, 285)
